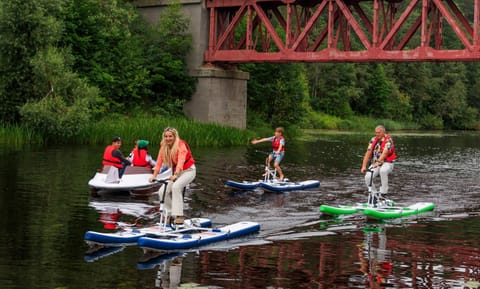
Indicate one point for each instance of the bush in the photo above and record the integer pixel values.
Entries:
(431, 121)
(54, 120)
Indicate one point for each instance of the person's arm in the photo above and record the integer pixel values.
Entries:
(150, 160)
(157, 167)
(382, 157)
(118, 154)
(366, 158)
(282, 143)
(279, 149)
(255, 141)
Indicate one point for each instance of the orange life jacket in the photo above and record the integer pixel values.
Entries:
(391, 156)
(276, 143)
(139, 158)
(109, 159)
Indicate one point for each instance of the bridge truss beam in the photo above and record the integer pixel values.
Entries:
(342, 30)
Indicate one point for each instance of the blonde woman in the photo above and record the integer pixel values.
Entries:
(175, 154)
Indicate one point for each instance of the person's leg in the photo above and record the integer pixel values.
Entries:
(122, 170)
(385, 170)
(183, 180)
(371, 174)
(168, 198)
(369, 177)
(175, 273)
(276, 164)
(269, 159)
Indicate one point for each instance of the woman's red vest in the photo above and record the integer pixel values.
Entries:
(391, 156)
(189, 161)
(276, 143)
(140, 158)
(109, 159)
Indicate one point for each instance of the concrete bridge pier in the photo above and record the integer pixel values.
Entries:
(221, 94)
(220, 97)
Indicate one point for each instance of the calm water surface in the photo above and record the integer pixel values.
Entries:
(46, 208)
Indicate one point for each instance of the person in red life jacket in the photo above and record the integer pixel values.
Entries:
(140, 156)
(175, 154)
(278, 150)
(381, 153)
(112, 156)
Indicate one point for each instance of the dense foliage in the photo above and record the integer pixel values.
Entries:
(65, 63)
(430, 95)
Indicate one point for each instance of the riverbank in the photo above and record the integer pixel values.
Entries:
(151, 128)
(137, 127)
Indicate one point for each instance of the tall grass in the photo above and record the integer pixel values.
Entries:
(18, 135)
(355, 123)
(151, 128)
(131, 128)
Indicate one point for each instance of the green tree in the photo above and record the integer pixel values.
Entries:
(414, 81)
(277, 93)
(68, 101)
(378, 94)
(450, 100)
(332, 88)
(473, 85)
(26, 27)
(51, 98)
(166, 47)
(104, 37)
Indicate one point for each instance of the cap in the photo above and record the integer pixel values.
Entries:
(117, 138)
(142, 144)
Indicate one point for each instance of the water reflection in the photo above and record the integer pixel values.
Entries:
(114, 215)
(169, 272)
(45, 211)
(97, 252)
(378, 256)
(374, 259)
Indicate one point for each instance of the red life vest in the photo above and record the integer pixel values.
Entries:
(391, 156)
(276, 143)
(189, 161)
(109, 159)
(140, 158)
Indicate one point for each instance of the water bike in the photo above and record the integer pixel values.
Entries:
(272, 183)
(196, 237)
(128, 234)
(378, 206)
(165, 235)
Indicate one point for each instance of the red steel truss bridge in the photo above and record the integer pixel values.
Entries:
(342, 30)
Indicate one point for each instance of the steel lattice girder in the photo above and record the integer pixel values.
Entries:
(341, 30)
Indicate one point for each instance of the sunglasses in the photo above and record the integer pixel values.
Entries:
(169, 129)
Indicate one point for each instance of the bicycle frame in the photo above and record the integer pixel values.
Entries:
(270, 175)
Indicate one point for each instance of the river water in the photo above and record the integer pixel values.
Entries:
(46, 208)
